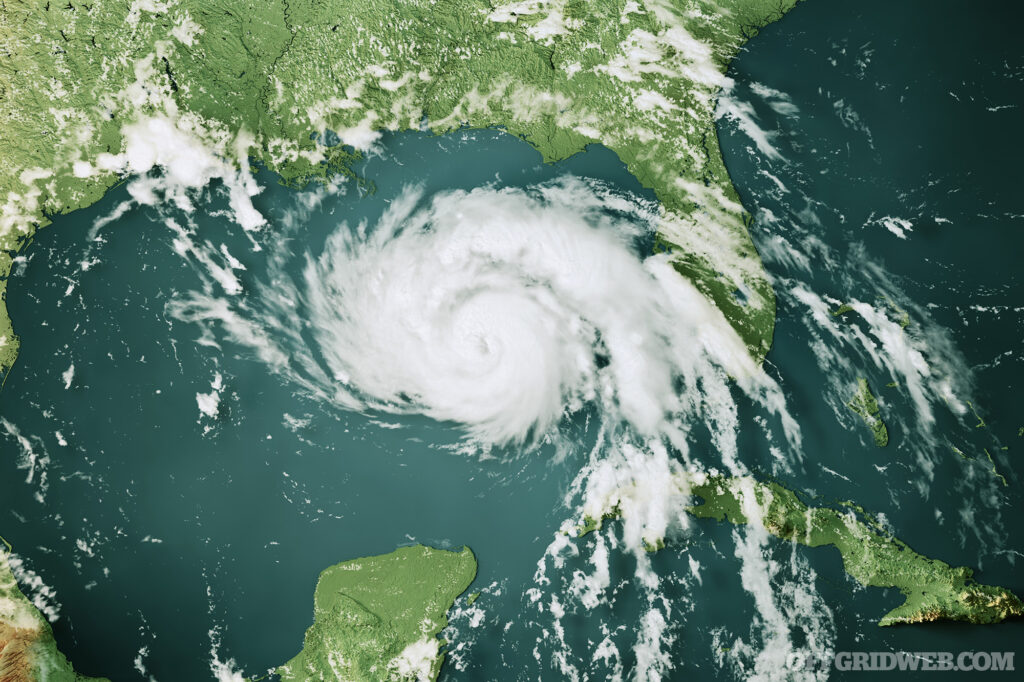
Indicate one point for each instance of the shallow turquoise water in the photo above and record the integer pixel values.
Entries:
(153, 532)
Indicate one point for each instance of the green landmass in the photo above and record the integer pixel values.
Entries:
(80, 81)
(378, 618)
(28, 652)
(865, 405)
(932, 589)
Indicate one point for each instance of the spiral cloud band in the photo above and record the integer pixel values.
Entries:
(498, 309)
(504, 311)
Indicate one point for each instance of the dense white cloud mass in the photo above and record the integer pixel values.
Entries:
(189, 157)
(504, 311)
(492, 308)
(499, 309)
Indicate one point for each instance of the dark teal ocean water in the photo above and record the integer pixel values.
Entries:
(165, 533)
(908, 110)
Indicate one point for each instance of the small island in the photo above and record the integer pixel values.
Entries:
(865, 405)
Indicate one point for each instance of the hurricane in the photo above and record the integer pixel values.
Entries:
(544, 320)
(501, 310)
(513, 313)
(559, 344)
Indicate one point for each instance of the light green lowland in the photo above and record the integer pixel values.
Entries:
(378, 618)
